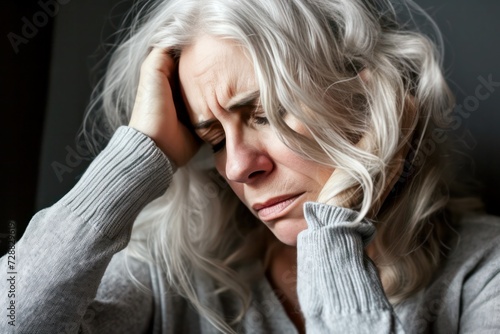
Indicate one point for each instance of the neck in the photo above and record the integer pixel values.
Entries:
(281, 271)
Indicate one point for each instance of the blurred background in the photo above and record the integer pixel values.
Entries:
(51, 51)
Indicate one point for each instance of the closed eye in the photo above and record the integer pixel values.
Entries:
(219, 146)
(260, 120)
(258, 116)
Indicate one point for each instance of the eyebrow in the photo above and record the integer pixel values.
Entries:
(238, 103)
(244, 101)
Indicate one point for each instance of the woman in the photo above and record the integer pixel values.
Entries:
(315, 111)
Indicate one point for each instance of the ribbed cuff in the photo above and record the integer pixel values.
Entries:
(129, 173)
(319, 215)
(334, 275)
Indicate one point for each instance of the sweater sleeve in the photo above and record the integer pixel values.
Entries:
(337, 284)
(478, 289)
(62, 258)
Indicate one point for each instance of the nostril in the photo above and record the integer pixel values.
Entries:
(245, 162)
(256, 173)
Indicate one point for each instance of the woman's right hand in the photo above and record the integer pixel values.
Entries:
(154, 112)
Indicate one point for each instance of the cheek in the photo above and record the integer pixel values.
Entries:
(294, 165)
(239, 191)
(324, 173)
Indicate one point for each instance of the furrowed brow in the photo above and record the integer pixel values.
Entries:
(243, 101)
(248, 100)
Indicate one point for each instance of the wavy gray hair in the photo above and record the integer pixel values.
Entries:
(307, 56)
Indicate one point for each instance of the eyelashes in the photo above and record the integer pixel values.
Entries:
(258, 120)
(219, 146)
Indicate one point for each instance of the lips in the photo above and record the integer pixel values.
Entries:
(275, 207)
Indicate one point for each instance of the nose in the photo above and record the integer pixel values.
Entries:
(246, 159)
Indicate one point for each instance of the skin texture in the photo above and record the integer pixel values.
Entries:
(255, 163)
(154, 112)
(220, 93)
(218, 86)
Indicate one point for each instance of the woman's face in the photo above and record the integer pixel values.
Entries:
(222, 96)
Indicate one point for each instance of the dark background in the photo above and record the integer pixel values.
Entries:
(46, 85)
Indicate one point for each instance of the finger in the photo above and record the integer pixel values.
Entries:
(161, 60)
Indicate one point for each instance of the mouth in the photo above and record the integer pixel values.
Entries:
(275, 207)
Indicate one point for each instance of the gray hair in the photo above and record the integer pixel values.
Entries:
(307, 56)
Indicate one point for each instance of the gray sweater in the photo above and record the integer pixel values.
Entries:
(70, 273)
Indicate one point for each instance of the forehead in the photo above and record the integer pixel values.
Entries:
(212, 71)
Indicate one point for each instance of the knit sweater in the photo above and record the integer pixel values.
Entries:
(71, 275)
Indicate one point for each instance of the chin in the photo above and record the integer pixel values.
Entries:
(287, 230)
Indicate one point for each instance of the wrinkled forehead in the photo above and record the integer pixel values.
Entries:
(212, 71)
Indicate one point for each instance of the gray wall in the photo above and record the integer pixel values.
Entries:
(471, 30)
(81, 30)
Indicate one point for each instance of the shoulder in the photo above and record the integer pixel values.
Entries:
(478, 233)
(465, 288)
(475, 250)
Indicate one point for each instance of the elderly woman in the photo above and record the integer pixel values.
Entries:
(317, 211)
